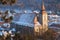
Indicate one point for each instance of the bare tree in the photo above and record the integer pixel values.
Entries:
(10, 2)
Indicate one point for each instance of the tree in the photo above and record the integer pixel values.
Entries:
(7, 18)
(10, 2)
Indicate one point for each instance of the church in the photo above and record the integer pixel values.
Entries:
(41, 22)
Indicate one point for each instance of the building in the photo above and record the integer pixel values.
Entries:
(41, 24)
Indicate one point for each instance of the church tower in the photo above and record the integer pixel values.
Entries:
(41, 21)
(44, 18)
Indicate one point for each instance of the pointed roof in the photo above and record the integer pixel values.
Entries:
(35, 20)
(43, 7)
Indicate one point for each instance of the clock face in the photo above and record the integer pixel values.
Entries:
(36, 29)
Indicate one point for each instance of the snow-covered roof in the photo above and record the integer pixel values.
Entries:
(26, 19)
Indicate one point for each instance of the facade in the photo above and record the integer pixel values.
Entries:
(37, 26)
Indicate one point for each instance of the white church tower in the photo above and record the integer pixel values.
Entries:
(41, 23)
(44, 18)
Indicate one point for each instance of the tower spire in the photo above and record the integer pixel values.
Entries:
(43, 7)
